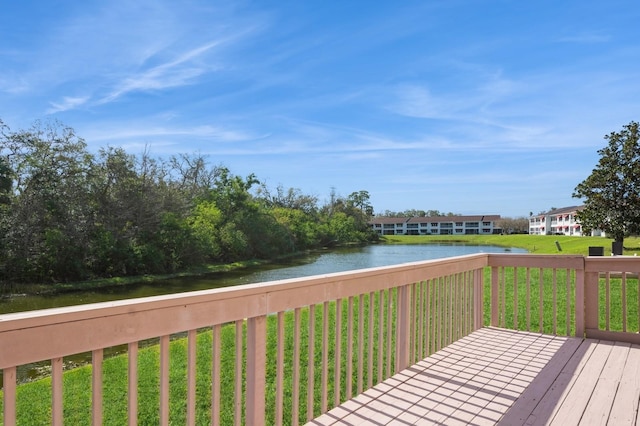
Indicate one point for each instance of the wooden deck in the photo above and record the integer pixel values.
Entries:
(498, 376)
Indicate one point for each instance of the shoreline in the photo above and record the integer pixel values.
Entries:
(538, 244)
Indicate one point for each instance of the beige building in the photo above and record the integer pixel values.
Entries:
(436, 225)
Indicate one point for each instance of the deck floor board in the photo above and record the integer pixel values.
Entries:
(498, 376)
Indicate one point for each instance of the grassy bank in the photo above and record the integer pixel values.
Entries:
(537, 244)
(123, 281)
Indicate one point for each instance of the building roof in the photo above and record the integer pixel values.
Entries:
(388, 220)
(563, 210)
(439, 219)
(435, 219)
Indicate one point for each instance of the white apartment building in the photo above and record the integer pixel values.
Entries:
(437, 225)
(562, 221)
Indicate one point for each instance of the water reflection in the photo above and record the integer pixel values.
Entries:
(316, 263)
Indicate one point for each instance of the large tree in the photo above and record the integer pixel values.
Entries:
(612, 191)
(5, 181)
(50, 206)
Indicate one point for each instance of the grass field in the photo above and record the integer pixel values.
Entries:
(34, 398)
(537, 244)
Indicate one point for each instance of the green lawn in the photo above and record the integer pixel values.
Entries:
(537, 244)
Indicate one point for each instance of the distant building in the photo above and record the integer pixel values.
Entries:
(436, 225)
(562, 221)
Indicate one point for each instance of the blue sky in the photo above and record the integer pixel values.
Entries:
(464, 106)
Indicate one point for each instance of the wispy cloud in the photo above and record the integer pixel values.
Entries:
(133, 47)
(67, 104)
(152, 133)
(417, 101)
(13, 84)
(463, 103)
(177, 72)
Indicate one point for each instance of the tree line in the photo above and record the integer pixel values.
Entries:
(69, 215)
(416, 213)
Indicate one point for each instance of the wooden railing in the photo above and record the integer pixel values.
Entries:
(287, 351)
(612, 298)
(594, 297)
(537, 293)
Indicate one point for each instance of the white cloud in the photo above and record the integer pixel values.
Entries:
(126, 47)
(67, 104)
(177, 72)
(13, 84)
(417, 101)
(152, 132)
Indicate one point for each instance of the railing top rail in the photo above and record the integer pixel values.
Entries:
(563, 261)
(612, 263)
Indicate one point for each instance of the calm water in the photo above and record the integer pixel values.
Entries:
(312, 264)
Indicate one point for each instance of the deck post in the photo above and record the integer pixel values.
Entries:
(494, 297)
(256, 365)
(403, 328)
(478, 299)
(580, 302)
(9, 376)
(591, 281)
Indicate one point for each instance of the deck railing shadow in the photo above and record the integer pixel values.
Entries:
(537, 405)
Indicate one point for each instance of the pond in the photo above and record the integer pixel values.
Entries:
(315, 263)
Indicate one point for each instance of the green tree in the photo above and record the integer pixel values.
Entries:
(342, 228)
(360, 201)
(517, 225)
(6, 182)
(205, 223)
(66, 214)
(303, 229)
(291, 198)
(612, 192)
(239, 233)
(192, 177)
(46, 234)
